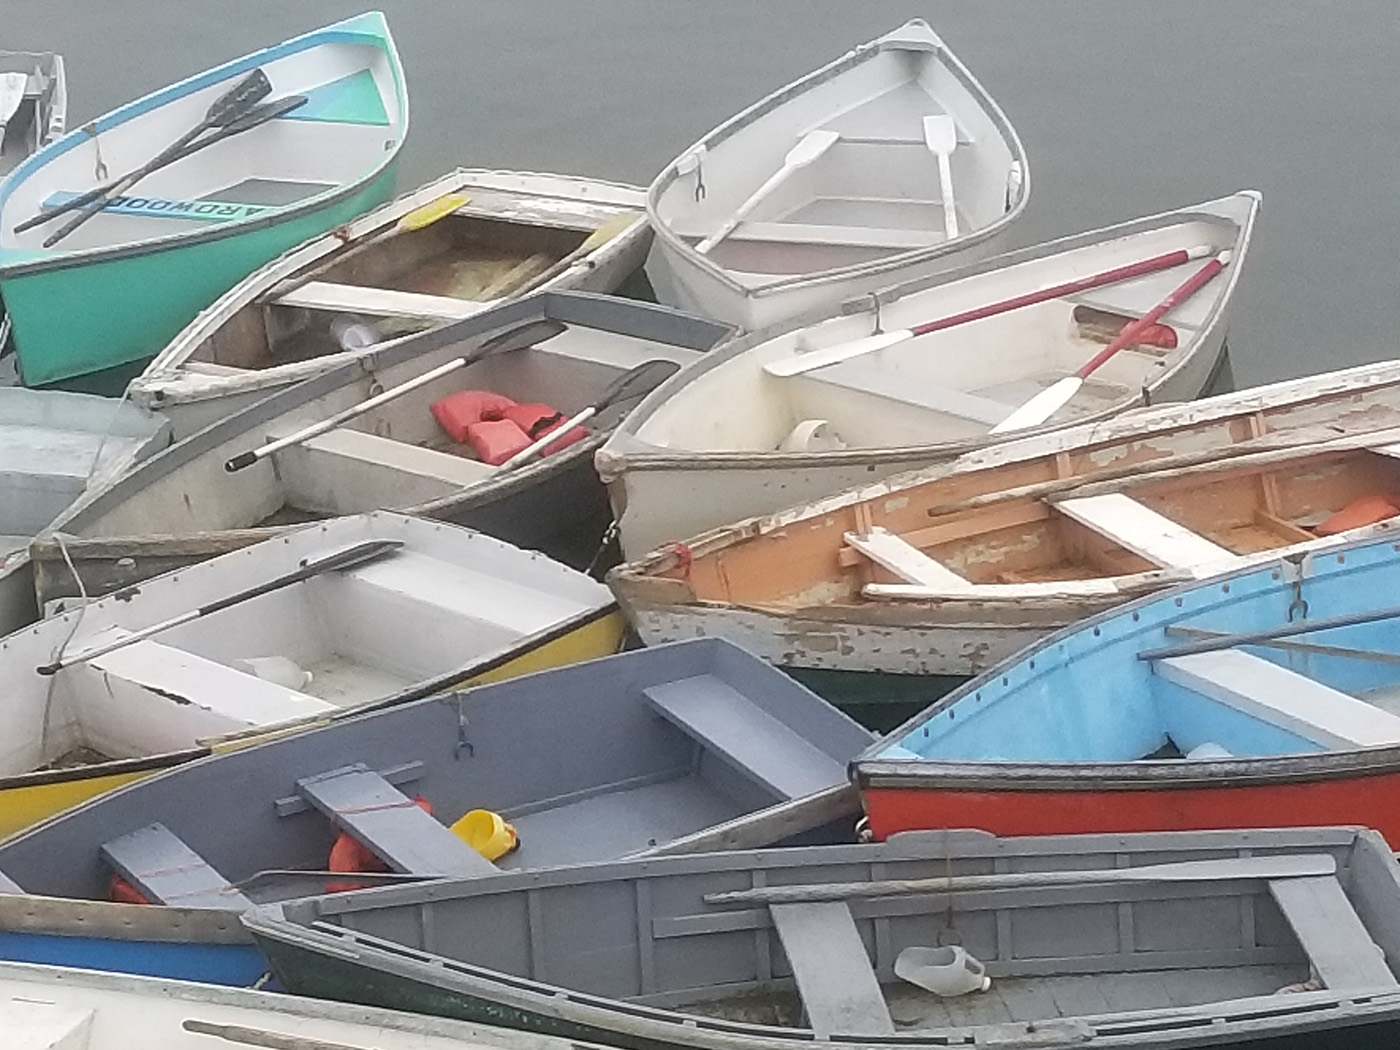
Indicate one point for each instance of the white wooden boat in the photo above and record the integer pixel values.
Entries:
(872, 207)
(758, 426)
(52, 446)
(89, 696)
(906, 578)
(458, 245)
(61, 1008)
(559, 349)
(36, 86)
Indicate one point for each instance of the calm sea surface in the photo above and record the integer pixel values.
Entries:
(1126, 107)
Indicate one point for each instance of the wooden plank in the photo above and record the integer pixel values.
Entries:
(906, 561)
(1393, 450)
(1284, 698)
(977, 521)
(746, 736)
(30, 1024)
(379, 302)
(1337, 942)
(869, 377)
(833, 973)
(390, 823)
(1143, 531)
(158, 863)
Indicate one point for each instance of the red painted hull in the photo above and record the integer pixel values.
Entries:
(1371, 801)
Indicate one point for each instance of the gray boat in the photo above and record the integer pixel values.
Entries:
(558, 349)
(1163, 940)
(691, 746)
(33, 103)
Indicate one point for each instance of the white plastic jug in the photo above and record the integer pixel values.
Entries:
(277, 669)
(946, 971)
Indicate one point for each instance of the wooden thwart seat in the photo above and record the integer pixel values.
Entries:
(832, 971)
(1275, 694)
(906, 561)
(379, 302)
(1143, 531)
(157, 862)
(28, 1024)
(745, 736)
(386, 820)
(1337, 942)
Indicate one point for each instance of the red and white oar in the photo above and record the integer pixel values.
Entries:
(1049, 401)
(806, 362)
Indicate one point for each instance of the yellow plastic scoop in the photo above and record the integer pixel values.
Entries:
(486, 832)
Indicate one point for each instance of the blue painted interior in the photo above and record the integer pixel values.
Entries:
(1083, 696)
(239, 965)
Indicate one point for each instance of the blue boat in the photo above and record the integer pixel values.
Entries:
(685, 747)
(1264, 697)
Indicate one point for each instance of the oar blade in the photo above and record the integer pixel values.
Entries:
(940, 133)
(521, 336)
(1041, 407)
(811, 146)
(238, 99)
(814, 359)
(636, 382)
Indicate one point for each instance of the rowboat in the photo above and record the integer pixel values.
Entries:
(887, 164)
(33, 103)
(301, 137)
(52, 445)
(550, 353)
(900, 579)
(466, 241)
(1238, 701)
(678, 748)
(92, 702)
(957, 939)
(59, 1008)
(773, 420)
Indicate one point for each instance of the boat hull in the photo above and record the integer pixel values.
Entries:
(64, 317)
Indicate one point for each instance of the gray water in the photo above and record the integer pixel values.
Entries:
(1126, 107)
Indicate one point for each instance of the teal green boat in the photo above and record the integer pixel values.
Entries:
(114, 237)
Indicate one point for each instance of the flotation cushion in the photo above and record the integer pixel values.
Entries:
(496, 440)
(1364, 510)
(538, 419)
(349, 855)
(124, 892)
(456, 412)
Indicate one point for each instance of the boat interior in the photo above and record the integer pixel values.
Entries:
(336, 136)
(441, 600)
(410, 280)
(1182, 523)
(874, 192)
(1185, 676)
(955, 384)
(397, 455)
(755, 948)
(586, 762)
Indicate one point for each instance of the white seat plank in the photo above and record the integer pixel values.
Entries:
(1274, 694)
(29, 1024)
(1391, 450)
(1338, 944)
(1143, 531)
(906, 561)
(379, 302)
(868, 377)
(833, 973)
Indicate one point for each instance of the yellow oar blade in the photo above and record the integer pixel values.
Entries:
(427, 214)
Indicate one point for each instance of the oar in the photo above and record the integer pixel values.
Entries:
(514, 339)
(225, 109)
(811, 146)
(806, 362)
(258, 115)
(262, 1037)
(941, 137)
(635, 382)
(1049, 401)
(1284, 866)
(12, 87)
(359, 554)
(1229, 641)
